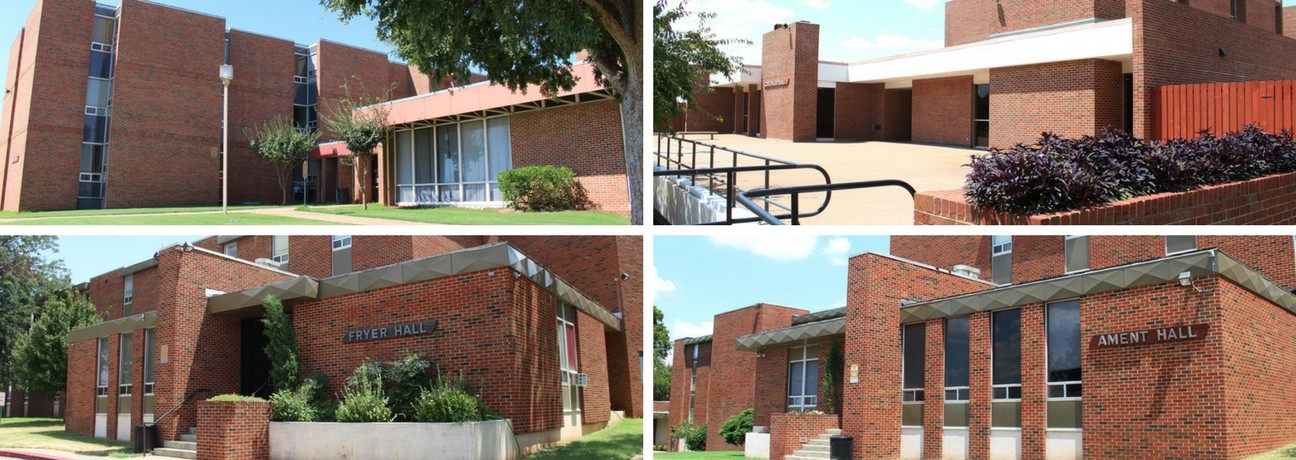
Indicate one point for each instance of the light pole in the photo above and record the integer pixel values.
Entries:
(226, 75)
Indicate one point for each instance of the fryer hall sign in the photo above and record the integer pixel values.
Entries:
(1149, 336)
(394, 331)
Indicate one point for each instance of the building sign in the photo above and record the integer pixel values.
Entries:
(394, 331)
(773, 83)
(1149, 336)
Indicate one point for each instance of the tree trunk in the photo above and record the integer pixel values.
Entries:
(283, 189)
(360, 166)
(632, 136)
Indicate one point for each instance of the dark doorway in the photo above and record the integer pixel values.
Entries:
(254, 374)
(981, 120)
(826, 120)
(746, 109)
(1129, 103)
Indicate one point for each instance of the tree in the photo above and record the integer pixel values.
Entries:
(524, 43)
(361, 130)
(40, 355)
(832, 378)
(661, 381)
(281, 144)
(734, 431)
(684, 61)
(27, 280)
(661, 348)
(285, 367)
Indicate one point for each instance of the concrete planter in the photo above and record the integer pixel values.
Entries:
(358, 441)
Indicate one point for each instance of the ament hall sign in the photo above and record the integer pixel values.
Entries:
(1149, 336)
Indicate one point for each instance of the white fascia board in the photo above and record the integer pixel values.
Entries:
(833, 71)
(749, 75)
(1103, 40)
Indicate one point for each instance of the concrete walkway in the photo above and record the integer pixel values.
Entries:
(925, 167)
(334, 218)
(45, 454)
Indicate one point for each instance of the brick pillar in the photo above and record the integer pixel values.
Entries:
(979, 344)
(873, 328)
(934, 408)
(787, 430)
(790, 79)
(771, 386)
(754, 113)
(114, 349)
(233, 430)
(1034, 362)
(740, 95)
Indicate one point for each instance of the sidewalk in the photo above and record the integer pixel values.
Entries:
(45, 454)
(334, 218)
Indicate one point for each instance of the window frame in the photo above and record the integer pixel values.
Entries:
(150, 345)
(805, 358)
(1005, 392)
(459, 187)
(125, 348)
(1195, 245)
(128, 289)
(567, 332)
(275, 254)
(1067, 253)
(344, 240)
(102, 361)
(961, 394)
(1067, 386)
(997, 250)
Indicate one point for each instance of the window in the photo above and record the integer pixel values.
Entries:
(453, 162)
(1006, 365)
(981, 124)
(129, 290)
(124, 364)
(1064, 383)
(1233, 9)
(103, 30)
(98, 95)
(280, 248)
(803, 378)
(914, 344)
(231, 249)
(101, 382)
(957, 352)
(693, 382)
(1076, 249)
(150, 338)
(341, 242)
(569, 365)
(95, 129)
(101, 64)
(1178, 244)
(1001, 259)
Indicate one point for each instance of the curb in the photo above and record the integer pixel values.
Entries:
(28, 455)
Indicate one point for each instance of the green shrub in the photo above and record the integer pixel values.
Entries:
(694, 435)
(294, 405)
(540, 188)
(405, 379)
(233, 398)
(281, 346)
(449, 402)
(363, 399)
(734, 431)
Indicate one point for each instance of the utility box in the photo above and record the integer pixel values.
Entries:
(840, 447)
(145, 437)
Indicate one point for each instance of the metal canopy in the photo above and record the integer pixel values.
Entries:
(136, 268)
(117, 326)
(831, 313)
(696, 340)
(222, 239)
(793, 334)
(498, 255)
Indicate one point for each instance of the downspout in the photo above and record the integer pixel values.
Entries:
(13, 107)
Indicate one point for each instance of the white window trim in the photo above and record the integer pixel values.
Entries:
(341, 242)
(436, 167)
(1048, 384)
(149, 339)
(124, 389)
(568, 370)
(275, 255)
(101, 388)
(128, 290)
(1066, 255)
(805, 359)
(966, 391)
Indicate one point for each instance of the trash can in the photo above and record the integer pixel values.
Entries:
(145, 437)
(840, 447)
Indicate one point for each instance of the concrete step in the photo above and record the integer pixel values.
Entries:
(802, 456)
(815, 448)
(189, 437)
(181, 445)
(175, 453)
(832, 431)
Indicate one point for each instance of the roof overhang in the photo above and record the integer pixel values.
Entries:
(330, 150)
(248, 302)
(794, 334)
(696, 340)
(117, 326)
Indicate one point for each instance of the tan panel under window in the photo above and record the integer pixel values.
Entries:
(956, 415)
(1064, 414)
(911, 415)
(1005, 414)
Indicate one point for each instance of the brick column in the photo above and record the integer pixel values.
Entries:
(934, 408)
(873, 331)
(771, 386)
(1034, 362)
(790, 79)
(787, 430)
(754, 113)
(233, 430)
(979, 344)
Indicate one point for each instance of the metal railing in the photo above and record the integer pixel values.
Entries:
(745, 198)
(680, 158)
(179, 404)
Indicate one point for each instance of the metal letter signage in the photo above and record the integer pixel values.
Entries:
(773, 83)
(1149, 336)
(390, 332)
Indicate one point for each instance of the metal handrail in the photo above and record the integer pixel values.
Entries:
(733, 193)
(744, 198)
(181, 403)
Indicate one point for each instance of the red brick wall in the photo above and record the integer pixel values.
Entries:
(1038, 257)
(79, 399)
(934, 386)
(1178, 44)
(589, 143)
(897, 123)
(261, 90)
(754, 113)
(942, 111)
(37, 405)
(980, 345)
(1263, 201)
(48, 111)
(732, 388)
(858, 107)
(711, 112)
(786, 431)
(968, 21)
(945, 251)
(681, 376)
(771, 386)
(12, 134)
(1258, 341)
(234, 430)
(790, 55)
(1262, 14)
(876, 285)
(596, 401)
(1071, 99)
(1289, 21)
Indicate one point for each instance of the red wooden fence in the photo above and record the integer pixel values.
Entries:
(1185, 110)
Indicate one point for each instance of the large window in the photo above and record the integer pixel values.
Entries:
(914, 344)
(693, 382)
(101, 377)
(1006, 369)
(279, 248)
(981, 124)
(803, 378)
(957, 357)
(150, 344)
(306, 89)
(1076, 249)
(124, 365)
(1001, 259)
(453, 162)
(1064, 383)
(91, 187)
(128, 292)
(341, 242)
(1178, 244)
(568, 362)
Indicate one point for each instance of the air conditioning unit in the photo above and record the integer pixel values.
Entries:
(270, 263)
(582, 380)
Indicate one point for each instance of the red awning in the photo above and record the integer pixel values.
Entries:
(330, 150)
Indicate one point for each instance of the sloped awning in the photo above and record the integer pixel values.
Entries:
(329, 150)
(499, 255)
(793, 334)
(117, 326)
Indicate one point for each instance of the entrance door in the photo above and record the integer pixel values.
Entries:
(826, 120)
(254, 373)
(981, 120)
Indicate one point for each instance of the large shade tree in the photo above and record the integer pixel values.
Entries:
(40, 355)
(284, 146)
(27, 280)
(524, 43)
(684, 60)
(661, 348)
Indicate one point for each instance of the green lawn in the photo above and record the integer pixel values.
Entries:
(726, 454)
(622, 441)
(1284, 453)
(48, 433)
(460, 216)
(113, 212)
(233, 218)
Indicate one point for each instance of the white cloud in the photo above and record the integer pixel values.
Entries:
(837, 250)
(925, 5)
(779, 248)
(742, 19)
(681, 329)
(659, 287)
(816, 4)
(886, 45)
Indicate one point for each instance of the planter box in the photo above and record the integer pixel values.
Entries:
(358, 441)
(1269, 200)
(788, 430)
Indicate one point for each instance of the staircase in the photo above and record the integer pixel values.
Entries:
(187, 447)
(816, 449)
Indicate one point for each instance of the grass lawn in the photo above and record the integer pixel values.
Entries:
(727, 454)
(113, 212)
(177, 219)
(460, 216)
(1284, 453)
(622, 441)
(47, 433)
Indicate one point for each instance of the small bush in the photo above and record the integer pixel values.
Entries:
(734, 431)
(448, 401)
(294, 405)
(233, 398)
(1058, 174)
(540, 188)
(405, 379)
(363, 399)
(694, 435)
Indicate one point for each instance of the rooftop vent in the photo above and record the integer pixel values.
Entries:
(264, 262)
(967, 271)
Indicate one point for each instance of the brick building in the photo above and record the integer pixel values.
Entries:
(186, 324)
(146, 100)
(1010, 70)
(1053, 347)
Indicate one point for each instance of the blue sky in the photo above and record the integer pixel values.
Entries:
(87, 256)
(694, 277)
(850, 30)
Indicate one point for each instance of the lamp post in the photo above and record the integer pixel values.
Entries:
(226, 75)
